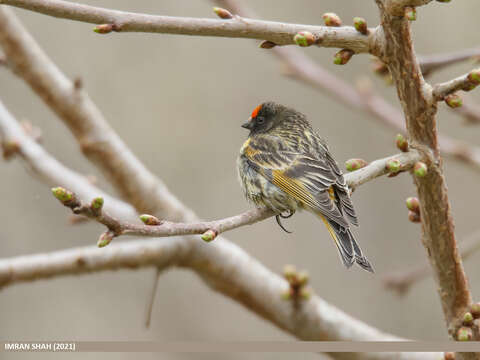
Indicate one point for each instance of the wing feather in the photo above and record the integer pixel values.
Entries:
(305, 177)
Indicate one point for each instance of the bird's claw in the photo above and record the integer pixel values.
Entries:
(290, 214)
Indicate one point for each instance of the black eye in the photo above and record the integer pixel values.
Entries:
(260, 120)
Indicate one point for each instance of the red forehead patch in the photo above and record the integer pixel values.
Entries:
(256, 110)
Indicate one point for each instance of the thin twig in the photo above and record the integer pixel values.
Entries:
(211, 229)
(463, 82)
(276, 32)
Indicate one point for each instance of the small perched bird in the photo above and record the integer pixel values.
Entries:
(285, 166)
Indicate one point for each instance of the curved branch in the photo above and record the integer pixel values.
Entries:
(234, 274)
(276, 32)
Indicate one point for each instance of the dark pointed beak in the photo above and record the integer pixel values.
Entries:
(248, 124)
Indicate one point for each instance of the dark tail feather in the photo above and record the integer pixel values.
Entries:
(347, 246)
(360, 259)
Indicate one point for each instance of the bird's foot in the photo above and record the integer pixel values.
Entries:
(290, 214)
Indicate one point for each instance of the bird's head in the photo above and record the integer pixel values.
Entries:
(268, 116)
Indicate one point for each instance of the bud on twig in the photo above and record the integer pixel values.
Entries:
(303, 278)
(343, 56)
(97, 203)
(401, 142)
(332, 19)
(414, 217)
(355, 164)
(62, 194)
(420, 169)
(393, 166)
(411, 13)
(453, 100)
(265, 44)
(468, 319)
(209, 235)
(104, 28)
(105, 239)
(304, 38)
(150, 220)
(289, 272)
(474, 77)
(360, 25)
(413, 204)
(475, 310)
(222, 13)
(464, 334)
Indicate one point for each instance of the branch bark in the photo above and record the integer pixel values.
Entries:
(437, 223)
(278, 33)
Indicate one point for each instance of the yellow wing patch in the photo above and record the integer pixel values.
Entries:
(293, 187)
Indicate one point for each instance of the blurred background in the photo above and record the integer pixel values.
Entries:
(178, 102)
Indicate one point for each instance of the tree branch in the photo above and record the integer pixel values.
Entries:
(278, 33)
(228, 270)
(437, 223)
(465, 82)
(98, 142)
(210, 229)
